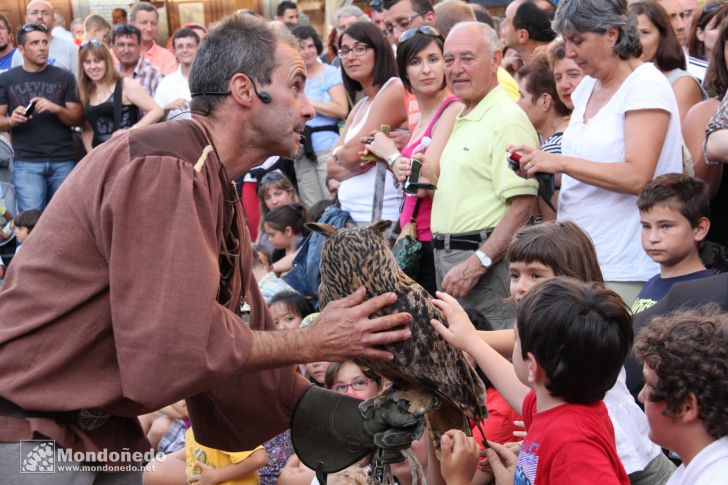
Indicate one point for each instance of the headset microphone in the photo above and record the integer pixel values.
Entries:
(264, 97)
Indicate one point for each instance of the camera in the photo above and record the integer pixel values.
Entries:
(514, 161)
(411, 185)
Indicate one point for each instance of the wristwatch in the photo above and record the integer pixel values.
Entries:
(484, 259)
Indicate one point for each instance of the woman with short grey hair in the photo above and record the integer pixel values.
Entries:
(624, 131)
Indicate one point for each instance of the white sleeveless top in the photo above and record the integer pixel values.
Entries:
(356, 194)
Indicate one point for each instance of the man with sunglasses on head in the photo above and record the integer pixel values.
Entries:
(126, 45)
(38, 105)
(62, 53)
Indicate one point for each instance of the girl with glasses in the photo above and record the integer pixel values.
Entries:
(422, 70)
(111, 103)
(349, 378)
(368, 65)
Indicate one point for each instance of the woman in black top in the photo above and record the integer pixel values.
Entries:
(111, 103)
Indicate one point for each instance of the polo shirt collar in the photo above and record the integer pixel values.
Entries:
(490, 99)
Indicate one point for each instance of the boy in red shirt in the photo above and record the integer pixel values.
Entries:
(571, 341)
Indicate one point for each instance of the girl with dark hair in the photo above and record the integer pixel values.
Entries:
(112, 103)
(288, 309)
(285, 229)
(422, 71)
(368, 64)
(661, 47)
(325, 91)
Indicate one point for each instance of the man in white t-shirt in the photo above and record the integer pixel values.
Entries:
(173, 92)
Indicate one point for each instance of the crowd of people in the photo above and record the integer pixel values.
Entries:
(560, 169)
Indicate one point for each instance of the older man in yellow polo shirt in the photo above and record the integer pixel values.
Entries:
(479, 202)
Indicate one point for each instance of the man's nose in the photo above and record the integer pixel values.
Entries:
(307, 109)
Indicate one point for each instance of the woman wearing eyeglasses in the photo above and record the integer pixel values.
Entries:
(111, 103)
(422, 70)
(368, 65)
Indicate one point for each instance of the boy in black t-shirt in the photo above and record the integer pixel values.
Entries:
(674, 211)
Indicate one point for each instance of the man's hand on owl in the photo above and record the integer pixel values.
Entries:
(344, 331)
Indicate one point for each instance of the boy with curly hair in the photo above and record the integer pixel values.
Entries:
(685, 395)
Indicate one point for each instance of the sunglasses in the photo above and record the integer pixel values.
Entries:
(271, 176)
(33, 28)
(125, 29)
(427, 30)
(712, 7)
(93, 42)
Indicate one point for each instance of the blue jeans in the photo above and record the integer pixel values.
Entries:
(36, 182)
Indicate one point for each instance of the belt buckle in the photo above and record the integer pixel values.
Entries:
(89, 420)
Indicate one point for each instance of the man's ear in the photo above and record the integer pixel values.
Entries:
(522, 35)
(497, 58)
(241, 89)
(429, 18)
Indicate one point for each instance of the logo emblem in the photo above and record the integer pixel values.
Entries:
(37, 456)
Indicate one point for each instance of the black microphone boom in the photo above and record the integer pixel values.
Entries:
(263, 96)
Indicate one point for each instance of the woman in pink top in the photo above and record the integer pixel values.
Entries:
(421, 68)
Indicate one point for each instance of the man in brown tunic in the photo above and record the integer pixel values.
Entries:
(127, 296)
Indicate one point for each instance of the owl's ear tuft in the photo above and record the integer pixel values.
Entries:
(326, 230)
(380, 226)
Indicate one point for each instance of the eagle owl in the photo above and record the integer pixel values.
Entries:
(433, 377)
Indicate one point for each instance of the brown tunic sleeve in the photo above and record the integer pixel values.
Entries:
(199, 344)
(114, 304)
